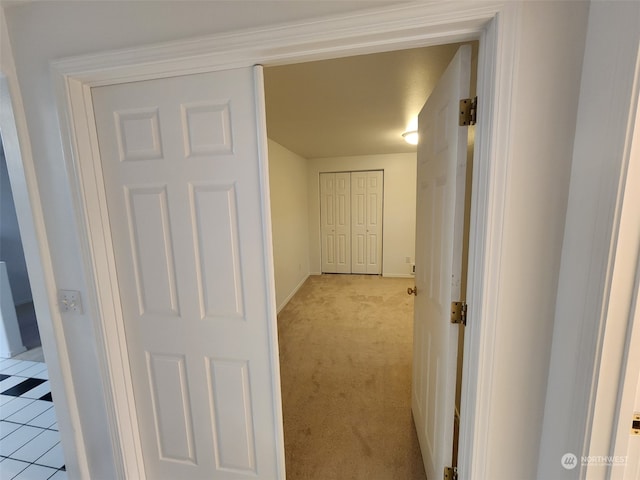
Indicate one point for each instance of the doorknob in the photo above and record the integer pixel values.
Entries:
(412, 291)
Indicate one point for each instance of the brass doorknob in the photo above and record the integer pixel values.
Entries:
(412, 291)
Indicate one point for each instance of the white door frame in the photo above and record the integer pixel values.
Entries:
(392, 28)
(23, 180)
(40, 271)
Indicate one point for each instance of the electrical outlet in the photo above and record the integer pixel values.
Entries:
(69, 301)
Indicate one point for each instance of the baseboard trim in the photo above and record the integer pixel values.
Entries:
(293, 292)
(398, 275)
(12, 352)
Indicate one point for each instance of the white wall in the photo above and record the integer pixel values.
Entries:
(549, 53)
(607, 105)
(295, 209)
(550, 47)
(11, 250)
(289, 220)
(399, 222)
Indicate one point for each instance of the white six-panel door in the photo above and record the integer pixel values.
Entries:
(335, 222)
(442, 156)
(366, 222)
(181, 171)
(328, 222)
(351, 222)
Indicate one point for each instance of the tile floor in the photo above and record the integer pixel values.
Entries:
(30, 446)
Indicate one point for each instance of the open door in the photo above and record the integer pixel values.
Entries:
(182, 181)
(442, 160)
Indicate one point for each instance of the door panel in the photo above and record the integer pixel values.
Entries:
(374, 222)
(148, 218)
(343, 223)
(182, 181)
(327, 222)
(442, 155)
(229, 388)
(366, 225)
(335, 222)
(216, 250)
(359, 222)
(171, 407)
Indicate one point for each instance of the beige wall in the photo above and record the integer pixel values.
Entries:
(398, 230)
(289, 220)
(295, 211)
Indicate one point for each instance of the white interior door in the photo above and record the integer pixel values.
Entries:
(182, 180)
(343, 223)
(442, 155)
(366, 222)
(335, 222)
(328, 222)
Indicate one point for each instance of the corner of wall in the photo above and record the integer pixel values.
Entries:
(290, 222)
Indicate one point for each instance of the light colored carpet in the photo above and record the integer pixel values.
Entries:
(345, 354)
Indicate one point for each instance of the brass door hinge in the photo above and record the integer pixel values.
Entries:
(468, 109)
(450, 473)
(459, 313)
(635, 424)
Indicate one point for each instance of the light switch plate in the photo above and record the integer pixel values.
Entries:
(69, 301)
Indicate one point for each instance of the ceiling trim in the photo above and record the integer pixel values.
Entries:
(398, 27)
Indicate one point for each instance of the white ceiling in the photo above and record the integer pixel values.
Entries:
(355, 105)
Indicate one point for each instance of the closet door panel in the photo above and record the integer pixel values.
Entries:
(366, 222)
(343, 222)
(328, 222)
(374, 196)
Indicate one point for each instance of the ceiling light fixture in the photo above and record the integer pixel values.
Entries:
(411, 137)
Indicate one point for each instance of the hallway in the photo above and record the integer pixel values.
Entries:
(30, 447)
(345, 359)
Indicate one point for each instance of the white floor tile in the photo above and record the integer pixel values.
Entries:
(54, 426)
(53, 458)
(31, 411)
(13, 406)
(9, 468)
(5, 399)
(38, 391)
(35, 472)
(7, 427)
(33, 370)
(37, 447)
(43, 374)
(60, 475)
(7, 383)
(45, 420)
(7, 363)
(18, 367)
(17, 439)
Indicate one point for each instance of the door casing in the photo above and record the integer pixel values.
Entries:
(400, 27)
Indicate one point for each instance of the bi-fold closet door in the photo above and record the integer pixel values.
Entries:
(366, 222)
(335, 222)
(351, 222)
